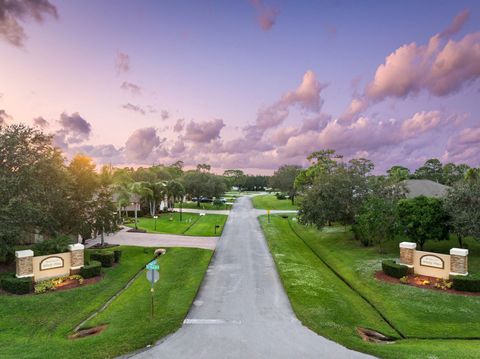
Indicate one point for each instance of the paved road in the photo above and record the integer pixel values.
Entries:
(242, 310)
(123, 237)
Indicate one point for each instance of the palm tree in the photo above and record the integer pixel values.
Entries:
(138, 191)
(175, 190)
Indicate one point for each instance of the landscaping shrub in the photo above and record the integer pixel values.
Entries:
(93, 269)
(280, 196)
(51, 246)
(16, 285)
(393, 269)
(469, 283)
(106, 258)
(218, 202)
(117, 254)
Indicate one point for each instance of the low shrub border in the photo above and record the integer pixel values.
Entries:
(93, 269)
(394, 269)
(469, 283)
(16, 285)
(105, 257)
(117, 254)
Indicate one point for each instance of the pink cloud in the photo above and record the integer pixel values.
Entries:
(203, 132)
(141, 143)
(440, 68)
(266, 15)
(457, 24)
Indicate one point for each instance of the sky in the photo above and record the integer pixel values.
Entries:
(248, 84)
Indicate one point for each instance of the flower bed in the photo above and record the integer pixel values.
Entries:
(422, 281)
(62, 283)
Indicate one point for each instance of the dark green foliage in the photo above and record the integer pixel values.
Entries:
(16, 285)
(423, 218)
(280, 196)
(105, 257)
(117, 254)
(469, 283)
(92, 269)
(393, 269)
(51, 246)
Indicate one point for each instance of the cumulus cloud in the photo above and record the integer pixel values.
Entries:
(266, 15)
(73, 129)
(4, 116)
(457, 24)
(131, 87)
(13, 12)
(463, 146)
(141, 144)
(40, 122)
(122, 62)
(441, 67)
(179, 125)
(203, 132)
(164, 115)
(134, 108)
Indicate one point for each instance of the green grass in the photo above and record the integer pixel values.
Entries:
(192, 224)
(328, 306)
(36, 326)
(269, 201)
(206, 206)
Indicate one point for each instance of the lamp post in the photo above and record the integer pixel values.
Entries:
(155, 222)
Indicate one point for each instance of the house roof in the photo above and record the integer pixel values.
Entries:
(423, 187)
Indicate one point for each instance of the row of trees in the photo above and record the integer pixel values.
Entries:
(335, 191)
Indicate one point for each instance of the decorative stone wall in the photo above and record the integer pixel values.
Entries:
(77, 257)
(24, 263)
(434, 264)
(407, 251)
(458, 261)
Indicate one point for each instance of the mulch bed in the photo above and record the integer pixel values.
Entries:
(415, 280)
(74, 283)
(105, 245)
(133, 230)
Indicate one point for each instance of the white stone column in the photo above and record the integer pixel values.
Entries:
(407, 250)
(458, 261)
(24, 263)
(77, 255)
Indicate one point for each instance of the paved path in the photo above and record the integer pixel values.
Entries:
(157, 240)
(242, 310)
(207, 211)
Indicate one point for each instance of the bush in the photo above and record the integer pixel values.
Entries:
(52, 246)
(469, 283)
(280, 196)
(218, 202)
(117, 254)
(106, 258)
(393, 269)
(93, 269)
(16, 285)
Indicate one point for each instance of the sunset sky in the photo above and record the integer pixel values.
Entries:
(249, 84)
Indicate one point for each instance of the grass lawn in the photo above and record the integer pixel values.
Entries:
(192, 224)
(206, 206)
(269, 201)
(331, 308)
(34, 326)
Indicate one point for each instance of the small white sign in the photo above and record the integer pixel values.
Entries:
(51, 262)
(431, 261)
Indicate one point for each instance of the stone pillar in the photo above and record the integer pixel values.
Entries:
(458, 261)
(76, 256)
(24, 263)
(407, 249)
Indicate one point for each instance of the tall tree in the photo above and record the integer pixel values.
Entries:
(463, 205)
(284, 180)
(431, 170)
(34, 187)
(423, 219)
(398, 173)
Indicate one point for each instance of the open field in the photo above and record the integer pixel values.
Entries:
(35, 326)
(206, 206)
(192, 224)
(269, 201)
(335, 308)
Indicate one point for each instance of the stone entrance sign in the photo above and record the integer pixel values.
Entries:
(49, 266)
(434, 264)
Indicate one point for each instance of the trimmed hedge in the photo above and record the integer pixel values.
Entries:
(117, 254)
(16, 285)
(394, 269)
(469, 283)
(105, 257)
(93, 269)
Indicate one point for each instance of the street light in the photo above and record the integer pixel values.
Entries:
(155, 222)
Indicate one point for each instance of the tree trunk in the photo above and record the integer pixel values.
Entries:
(136, 227)
(292, 197)
(102, 240)
(460, 241)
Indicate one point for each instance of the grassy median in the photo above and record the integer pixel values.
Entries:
(335, 308)
(270, 201)
(37, 326)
